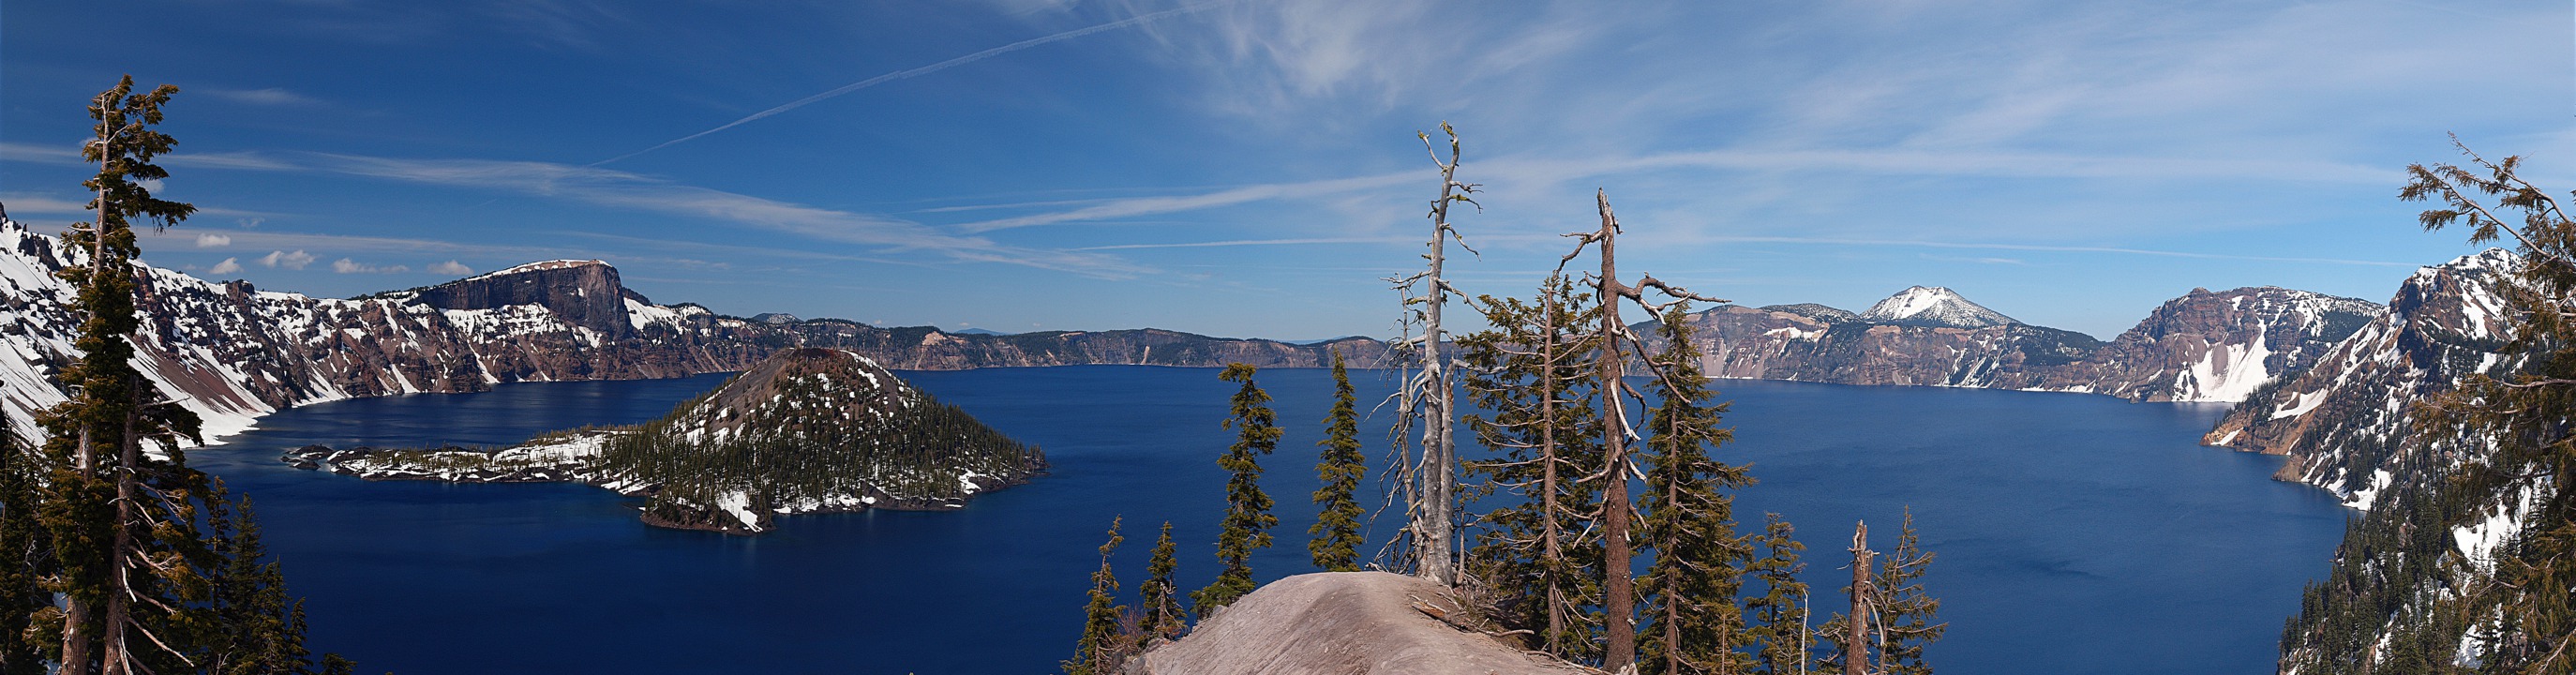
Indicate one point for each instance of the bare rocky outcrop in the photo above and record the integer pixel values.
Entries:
(2220, 346)
(2203, 346)
(232, 352)
(1340, 623)
(2346, 422)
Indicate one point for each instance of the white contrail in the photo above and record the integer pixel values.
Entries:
(924, 70)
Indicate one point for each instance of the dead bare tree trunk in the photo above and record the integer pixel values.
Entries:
(1550, 540)
(1856, 628)
(1432, 396)
(1619, 602)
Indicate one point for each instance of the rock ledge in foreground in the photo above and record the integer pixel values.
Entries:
(1339, 623)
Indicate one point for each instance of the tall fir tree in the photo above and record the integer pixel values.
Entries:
(1164, 617)
(1102, 647)
(1779, 615)
(1247, 521)
(2529, 597)
(1336, 543)
(1907, 610)
(122, 520)
(1691, 583)
(23, 552)
(1529, 371)
(256, 628)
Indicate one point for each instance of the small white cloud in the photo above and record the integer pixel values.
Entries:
(450, 267)
(211, 240)
(251, 222)
(228, 266)
(269, 96)
(150, 184)
(293, 261)
(347, 266)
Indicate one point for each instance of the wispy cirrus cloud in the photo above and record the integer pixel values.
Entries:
(1139, 206)
(920, 71)
(1529, 173)
(627, 190)
(22, 204)
(1253, 242)
(271, 96)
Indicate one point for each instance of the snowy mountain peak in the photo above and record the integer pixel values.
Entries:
(2492, 259)
(1933, 306)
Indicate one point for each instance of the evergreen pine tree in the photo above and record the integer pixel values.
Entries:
(1690, 587)
(1336, 545)
(1779, 615)
(258, 628)
(2524, 416)
(1247, 520)
(22, 554)
(1101, 647)
(126, 560)
(1907, 610)
(1164, 617)
(1529, 371)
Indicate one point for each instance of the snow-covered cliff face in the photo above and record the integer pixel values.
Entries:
(1748, 343)
(1933, 306)
(2200, 347)
(232, 352)
(2346, 421)
(2220, 346)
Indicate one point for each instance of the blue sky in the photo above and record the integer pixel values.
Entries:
(1250, 168)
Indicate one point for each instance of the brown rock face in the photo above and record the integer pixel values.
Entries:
(1338, 623)
(2200, 347)
(1741, 342)
(583, 293)
(2346, 422)
(2208, 346)
(232, 352)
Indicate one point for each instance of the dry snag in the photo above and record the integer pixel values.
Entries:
(1428, 397)
(1618, 587)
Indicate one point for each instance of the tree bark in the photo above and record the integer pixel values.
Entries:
(1619, 601)
(1856, 628)
(112, 652)
(1436, 513)
(1551, 548)
(76, 612)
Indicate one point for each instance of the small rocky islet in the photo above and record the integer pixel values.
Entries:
(806, 430)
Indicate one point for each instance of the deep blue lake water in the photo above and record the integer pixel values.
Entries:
(2075, 533)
